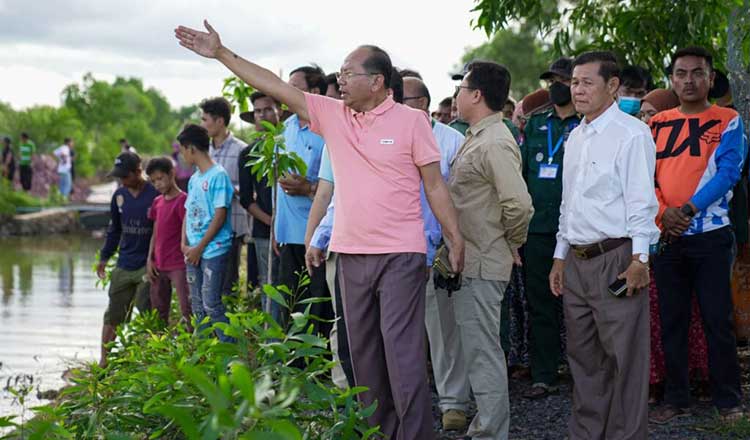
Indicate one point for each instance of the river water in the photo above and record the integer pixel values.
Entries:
(50, 310)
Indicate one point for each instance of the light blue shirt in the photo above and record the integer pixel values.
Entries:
(207, 192)
(449, 140)
(326, 169)
(322, 236)
(292, 212)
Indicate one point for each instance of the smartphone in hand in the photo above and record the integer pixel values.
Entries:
(618, 288)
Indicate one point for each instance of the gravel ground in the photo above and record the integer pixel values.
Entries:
(546, 419)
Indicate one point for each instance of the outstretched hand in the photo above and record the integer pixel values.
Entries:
(206, 44)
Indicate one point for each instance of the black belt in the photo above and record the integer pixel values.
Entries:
(589, 251)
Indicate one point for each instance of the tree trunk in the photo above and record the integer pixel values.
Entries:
(739, 72)
(274, 191)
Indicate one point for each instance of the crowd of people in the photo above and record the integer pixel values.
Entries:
(594, 222)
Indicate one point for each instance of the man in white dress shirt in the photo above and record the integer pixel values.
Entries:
(607, 223)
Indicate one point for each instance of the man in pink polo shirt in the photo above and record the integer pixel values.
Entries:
(381, 151)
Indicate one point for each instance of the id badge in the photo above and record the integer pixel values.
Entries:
(547, 171)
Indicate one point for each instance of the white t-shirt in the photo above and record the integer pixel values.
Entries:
(63, 156)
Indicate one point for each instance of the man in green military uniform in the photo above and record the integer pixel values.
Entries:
(26, 149)
(542, 154)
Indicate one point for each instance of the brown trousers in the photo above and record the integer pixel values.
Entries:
(608, 349)
(384, 305)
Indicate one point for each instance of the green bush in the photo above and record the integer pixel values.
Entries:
(273, 383)
(11, 199)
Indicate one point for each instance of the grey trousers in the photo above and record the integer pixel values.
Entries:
(608, 349)
(383, 298)
(448, 367)
(477, 308)
(337, 373)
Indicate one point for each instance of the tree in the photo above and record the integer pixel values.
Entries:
(642, 32)
(525, 56)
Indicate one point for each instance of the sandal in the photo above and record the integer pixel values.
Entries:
(667, 413)
(539, 390)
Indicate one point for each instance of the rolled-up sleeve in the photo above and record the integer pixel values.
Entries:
(635, 166)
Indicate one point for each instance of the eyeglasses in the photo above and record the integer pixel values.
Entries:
(458, 88)
(346, 76)
(407, 98)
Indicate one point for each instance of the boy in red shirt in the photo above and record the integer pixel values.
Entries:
(166, 264)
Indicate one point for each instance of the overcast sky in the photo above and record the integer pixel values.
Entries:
(47, 44)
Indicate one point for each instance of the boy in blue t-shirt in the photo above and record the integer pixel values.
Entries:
(207, 231)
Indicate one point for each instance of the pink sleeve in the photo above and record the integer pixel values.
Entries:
(323, 112)
(424, 149)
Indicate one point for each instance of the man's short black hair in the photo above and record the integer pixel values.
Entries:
(410, 73)
(66, 140)
(493, 80)
(636, 77)
(397, 86)
(378, 62)
(260, 95)
(163, 164)
(6, 139)
(332, 80)
(446, 102)
(123, 140)
(24, 135)
(194, 135)
(608, 67)
(695, 51)
(314, 77)
(217, 107)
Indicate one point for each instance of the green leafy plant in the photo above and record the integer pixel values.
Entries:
(272, 383)
(238, 93)
(270, 157)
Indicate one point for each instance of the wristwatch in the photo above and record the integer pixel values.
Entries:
(687, 210)
(641, 258)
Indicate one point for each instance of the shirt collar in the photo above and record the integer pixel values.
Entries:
(484, 123)
(228, 141)
(381, 108)
(600, 123)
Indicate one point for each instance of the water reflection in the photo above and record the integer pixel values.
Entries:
(21, 257)
(50, 307)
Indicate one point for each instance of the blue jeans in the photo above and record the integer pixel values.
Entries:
(66, 184)
(206, 281)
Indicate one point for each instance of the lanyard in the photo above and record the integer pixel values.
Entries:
(551, 151)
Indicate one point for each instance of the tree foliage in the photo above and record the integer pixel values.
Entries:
(525, 56)
(96, 114)
(641, 32)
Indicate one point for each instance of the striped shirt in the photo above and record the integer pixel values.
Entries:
(228, 157)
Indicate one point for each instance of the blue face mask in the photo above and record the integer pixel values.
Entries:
(629, 105)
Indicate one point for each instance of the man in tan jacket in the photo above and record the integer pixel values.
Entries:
(494, 210)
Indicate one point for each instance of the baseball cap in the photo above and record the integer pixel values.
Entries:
(125, 163)
(562, 66)
(458, 76)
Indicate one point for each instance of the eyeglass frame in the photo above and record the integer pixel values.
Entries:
(348, 75)
(407, 98)
(459, 87)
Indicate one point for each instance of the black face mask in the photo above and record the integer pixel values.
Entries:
(559, 94)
